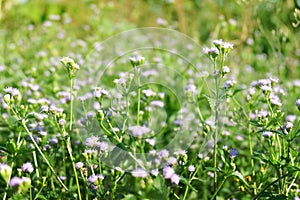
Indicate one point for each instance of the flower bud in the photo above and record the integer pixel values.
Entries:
(5, 172)
(26, 183)
(7, 98)
(70, 65)
(136, 60)
(225, 70)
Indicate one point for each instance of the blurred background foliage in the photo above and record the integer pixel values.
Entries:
(262, 31)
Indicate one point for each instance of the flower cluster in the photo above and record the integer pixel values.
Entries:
(71, 66)
(221, 48)
(137, 60)
(169, 173)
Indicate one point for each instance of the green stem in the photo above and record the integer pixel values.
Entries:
(186, 192)
(251, 157)
(42, 154)
(43, 185)
(138, 97)
(5, 193)
(292, 183)
(215, 136)
(109, 133)
(30, 193)
(69, 148)
(63, 132)
(71, 103)
(68, 139)
(36, 164)
(250, 143)
(219, 188)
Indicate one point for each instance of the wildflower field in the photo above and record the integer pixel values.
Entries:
(145, 99)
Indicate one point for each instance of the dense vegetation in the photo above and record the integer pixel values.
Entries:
(145, 99)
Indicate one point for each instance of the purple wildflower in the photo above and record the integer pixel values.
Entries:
(233, 153)
(139, 131)
(79, 165)
(267, 134)
(139, 172)
(15, 181)
(191, 168)
(154, 172)
(175, 179)
(168, 172)
(27, 167)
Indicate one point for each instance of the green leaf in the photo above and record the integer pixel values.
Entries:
(4, 149)
(272, 196)
(13, 120)
(261, 157)
(186, 182)
(198, 179)
(11, 147)
(236, 91)
(240, 176)
(212, 102)
(254, 123)
(129, 197)
(160, 189)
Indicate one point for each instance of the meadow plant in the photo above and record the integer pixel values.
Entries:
(143, 116)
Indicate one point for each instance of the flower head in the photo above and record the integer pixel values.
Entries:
(71, 66)
(212, 52)
(139, 172)
(137, 60)
(168, 172)
(233, 153)
(95, 178)
(79, 165)
(175, 179)
(191, 168)
(15, 181)
(229, 84)
(222, 46)
(267, 134)
(225, 70)
(139, 131)
(27, 167)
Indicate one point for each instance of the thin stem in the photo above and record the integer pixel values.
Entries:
(186, 192)
(215, 136)
(138, 97)
(36, 164)
(43, 185)
(63, 132)
(71, 103)
(42, 154)
(219, 188)
(69, 148)
(292, 183)
(30, 193)
(5, 193)
(109, 133)
(251, 157)
(68, 139)
(250, 143)
(137, 161)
